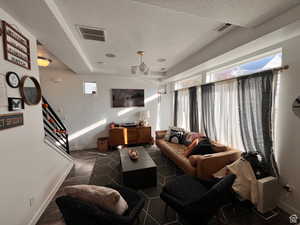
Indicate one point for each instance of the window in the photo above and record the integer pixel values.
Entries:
(90, 88)
(251, 66)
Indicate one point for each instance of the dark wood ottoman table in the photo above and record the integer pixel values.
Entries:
(140, 173)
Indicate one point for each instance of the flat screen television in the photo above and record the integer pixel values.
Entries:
(128, 98)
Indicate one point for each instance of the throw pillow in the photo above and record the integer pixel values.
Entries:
(176, 137)
(190, 137)
(169, 131)
(203, 148)
(104, 197)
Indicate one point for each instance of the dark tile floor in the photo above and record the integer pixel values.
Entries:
(91, 168)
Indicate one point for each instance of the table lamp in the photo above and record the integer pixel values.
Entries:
(144, 116)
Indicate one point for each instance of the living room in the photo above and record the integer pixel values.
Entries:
(160, 71)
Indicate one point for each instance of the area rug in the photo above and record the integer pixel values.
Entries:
(107, 170)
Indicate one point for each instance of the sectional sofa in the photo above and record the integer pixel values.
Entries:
(202, 166)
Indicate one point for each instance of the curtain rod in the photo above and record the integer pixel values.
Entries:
(277, 69)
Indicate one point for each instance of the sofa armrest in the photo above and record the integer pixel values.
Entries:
(207, 165)
(160, 134)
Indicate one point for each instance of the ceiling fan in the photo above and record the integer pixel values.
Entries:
(142, 67)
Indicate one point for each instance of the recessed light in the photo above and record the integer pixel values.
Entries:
(161, 60)
(110, 55)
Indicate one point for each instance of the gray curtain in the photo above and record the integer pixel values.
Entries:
(194, 120)
(175, 107)
(255, 96)
(208, 110)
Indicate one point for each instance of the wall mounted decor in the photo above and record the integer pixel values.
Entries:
(12, 79)
(11, 120)
(3, 95)
(128, 97)
(16, 46)
(15, 104)
(296, 107)
(30, 90)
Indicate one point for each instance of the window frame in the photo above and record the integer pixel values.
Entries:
(239, 63)
(84, 87)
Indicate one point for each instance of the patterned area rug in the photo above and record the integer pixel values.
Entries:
(107, 170)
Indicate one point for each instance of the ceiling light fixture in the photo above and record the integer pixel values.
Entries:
(43, 62)
(143, 68)
(110, 55)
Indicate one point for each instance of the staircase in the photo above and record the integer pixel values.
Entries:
(55, 131)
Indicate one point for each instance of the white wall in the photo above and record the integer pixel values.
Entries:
(28, 167)
(288, 125)
(87, 117)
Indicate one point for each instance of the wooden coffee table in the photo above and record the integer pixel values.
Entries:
(140, 173)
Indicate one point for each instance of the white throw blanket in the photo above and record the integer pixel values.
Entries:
(245, 183)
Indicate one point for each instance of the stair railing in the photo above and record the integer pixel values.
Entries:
(55, 130)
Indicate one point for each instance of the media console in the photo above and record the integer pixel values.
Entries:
(130, 136)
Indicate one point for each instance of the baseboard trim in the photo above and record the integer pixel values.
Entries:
(288, 208)
(47, 201)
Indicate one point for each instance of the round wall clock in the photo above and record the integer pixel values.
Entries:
(12, 79)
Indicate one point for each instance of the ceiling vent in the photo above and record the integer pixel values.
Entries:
(92, 33)
(224, 27)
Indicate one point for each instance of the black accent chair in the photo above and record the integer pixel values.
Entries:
(77, 212)
(196, 200)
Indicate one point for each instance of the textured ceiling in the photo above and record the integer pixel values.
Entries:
(131, 26)
(244, 13)
(173, 30)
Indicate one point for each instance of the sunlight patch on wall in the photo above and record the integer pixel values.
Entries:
(87, 129)
(124, 111)
(151, 98)
(147, 100)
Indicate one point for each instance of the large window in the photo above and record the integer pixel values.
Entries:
(251, 66)
(223, 112)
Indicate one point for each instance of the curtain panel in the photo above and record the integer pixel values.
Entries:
(255, 96)
(208, 110)
(199, 101)
(194, 121)
(183, 109)
(175, 107)
(227, 119)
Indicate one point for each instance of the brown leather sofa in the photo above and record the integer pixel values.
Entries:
(203, 166)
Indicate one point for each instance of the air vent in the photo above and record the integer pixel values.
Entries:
(92, 33)
(224, 27)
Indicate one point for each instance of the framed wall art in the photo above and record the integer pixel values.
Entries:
(11, 120)
(15, 104)
(16, 46)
